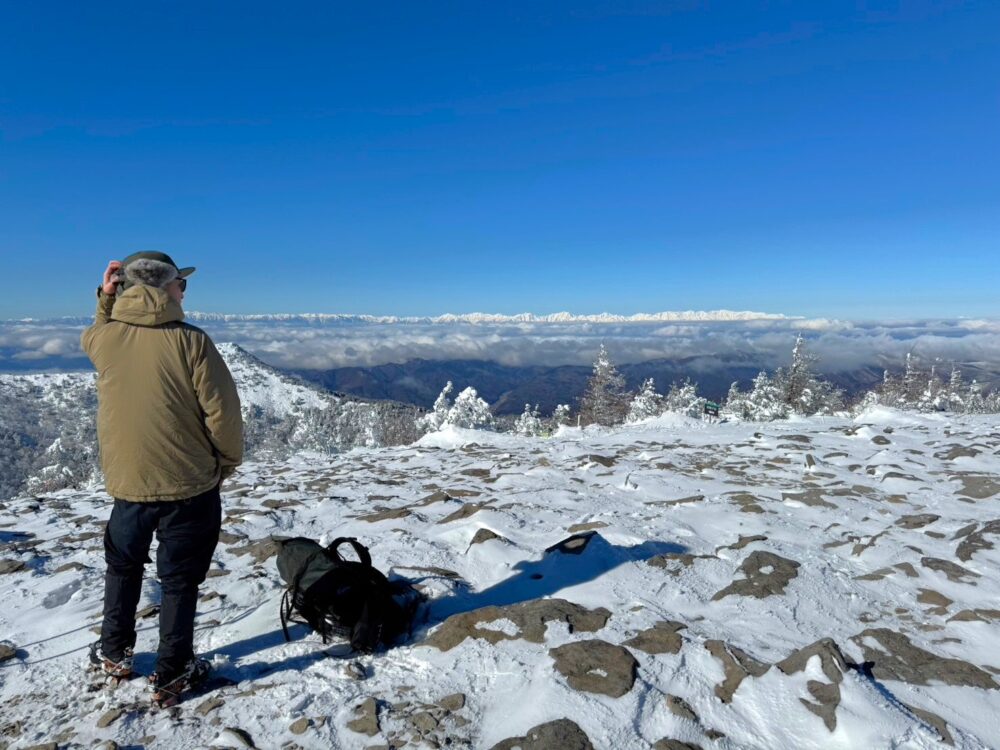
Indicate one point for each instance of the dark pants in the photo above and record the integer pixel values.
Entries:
(188, 531)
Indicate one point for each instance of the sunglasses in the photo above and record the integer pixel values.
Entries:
(183, 284)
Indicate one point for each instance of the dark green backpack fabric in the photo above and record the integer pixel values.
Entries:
(338, 597)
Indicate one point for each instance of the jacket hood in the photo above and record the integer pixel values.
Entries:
(146, 306)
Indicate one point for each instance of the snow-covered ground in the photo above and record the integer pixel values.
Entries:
(707, 558)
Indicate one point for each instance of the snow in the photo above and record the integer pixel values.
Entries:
(840, 522)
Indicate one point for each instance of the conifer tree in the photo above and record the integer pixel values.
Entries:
(470, 411)
(529, 424)
(647, 403)
(605, 401)
(956, 390)
(683, 398)
(560, 415)
(735, 405)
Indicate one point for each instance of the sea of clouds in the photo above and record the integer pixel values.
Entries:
(326, 342)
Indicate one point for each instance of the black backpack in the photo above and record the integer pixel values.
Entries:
(342, 598)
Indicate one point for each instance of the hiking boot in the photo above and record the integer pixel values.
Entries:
(117, 669)
(169, 690)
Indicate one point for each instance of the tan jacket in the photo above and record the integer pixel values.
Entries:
(168, 417)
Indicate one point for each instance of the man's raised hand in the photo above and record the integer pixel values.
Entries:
(112, 278)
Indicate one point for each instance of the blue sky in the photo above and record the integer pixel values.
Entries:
(812, 158)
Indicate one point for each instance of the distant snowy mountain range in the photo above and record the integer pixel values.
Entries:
(48, 435)
(490, 318)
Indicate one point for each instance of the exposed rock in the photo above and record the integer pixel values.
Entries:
(146, 612)
(386, 514)
(917, 521)
(976, 615)
(679, 501)
(7, 652)
(485, 535)
(669, 744)
(260, 550)
(235, 737)
(366, 718)
(826, 696)
(766, 574)
(573, 545)
(110, 718)
(578, 527)
(743, 541)
(955, 572)
(737, 666)
(529, 617)
(275, 504)
(933, 598)
(976, 541)
(813, 497)
(561, 734)
(895, 658)
(208, 705)
(70, 566)
(598, 459)
(673, 562)
(596, 666)
(679, 707)
(831, 658)
(453, 702)
(11, 566)
(881, 440)
(747, 502)
(662, 638)
(300, 726)
(935, 721)
(978, 486)
(467, 509)
(424, 721)
(355, 670)
(227, 537)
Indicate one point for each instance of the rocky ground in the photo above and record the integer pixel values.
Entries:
(821, 583)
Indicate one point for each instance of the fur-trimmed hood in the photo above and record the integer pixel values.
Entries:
(146, 306)
(149, 272)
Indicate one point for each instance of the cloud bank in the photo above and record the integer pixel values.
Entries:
(326, 342)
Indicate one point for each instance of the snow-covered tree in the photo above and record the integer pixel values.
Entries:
(913, 382)
(735, 405)
(805, 392)
(470, 411)
(766, 401)
(683, 398)
(975, 402)
(529, 424)
(955, 392)
(605, 400)
(438, 416)
(560, 415)
(647, 403)
(934, 396)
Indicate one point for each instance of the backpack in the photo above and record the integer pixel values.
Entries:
(338, 597)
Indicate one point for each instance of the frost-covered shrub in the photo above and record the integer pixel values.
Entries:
(683, 398)
(470, 411)
(647, 403)
(560, 415)
(438, 416)
(529, 423)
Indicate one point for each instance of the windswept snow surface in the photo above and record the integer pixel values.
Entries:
(880, 533)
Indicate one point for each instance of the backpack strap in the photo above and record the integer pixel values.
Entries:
(359, 549)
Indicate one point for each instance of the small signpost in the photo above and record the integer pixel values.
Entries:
(711, 408)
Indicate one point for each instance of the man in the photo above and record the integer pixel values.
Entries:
(170, 430)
